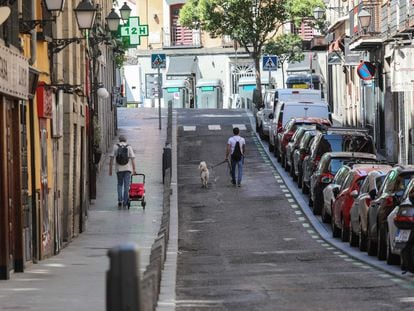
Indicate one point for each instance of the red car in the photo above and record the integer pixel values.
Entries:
(288, 131)
(344, 198)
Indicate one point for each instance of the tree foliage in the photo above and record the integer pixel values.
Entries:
(287, 46)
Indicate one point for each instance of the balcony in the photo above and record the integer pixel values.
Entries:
(397, 20)
(365, 39)
(181, 38)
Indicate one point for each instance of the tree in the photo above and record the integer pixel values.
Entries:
(251, 23)
(288, 47)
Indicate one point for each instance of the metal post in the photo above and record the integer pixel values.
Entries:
(159, 94)
(270, 76)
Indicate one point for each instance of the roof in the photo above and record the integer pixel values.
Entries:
(182, 66)
(311, 120)
(364, 169)
(209, 82)
(305, 103)
(175, 83)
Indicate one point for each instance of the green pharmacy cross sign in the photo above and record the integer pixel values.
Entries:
(134, 31)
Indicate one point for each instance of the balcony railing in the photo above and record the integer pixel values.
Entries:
(180, 37)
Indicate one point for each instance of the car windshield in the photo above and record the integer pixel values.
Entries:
(397, 182)
(335, 165)
(339, 142)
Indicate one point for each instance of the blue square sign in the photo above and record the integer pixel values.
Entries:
(158, 60)
(270, 63)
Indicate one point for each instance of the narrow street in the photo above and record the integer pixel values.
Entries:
(252, 248)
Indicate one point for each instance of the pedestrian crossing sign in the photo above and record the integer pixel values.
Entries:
(158, 60)
(270, 63)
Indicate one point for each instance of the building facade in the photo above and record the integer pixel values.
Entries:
(53, 127)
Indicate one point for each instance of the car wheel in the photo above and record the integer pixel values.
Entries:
(362, 239)
(257, 127)
(392, 259)
(282, 159)
(261, 133)
(336, 232)
(271, 147)
(344, 230)
(305, 189)
(353, 237)
(292, 172)
(407, 257)
(317, 204)
(299, 180)
(324, 215)
(371, 244)
(381, 243)
(287, 167)
(310, 201)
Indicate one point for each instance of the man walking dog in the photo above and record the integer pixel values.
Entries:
(236, 148)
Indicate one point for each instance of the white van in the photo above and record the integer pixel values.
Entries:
(270, 103)
(298, 109)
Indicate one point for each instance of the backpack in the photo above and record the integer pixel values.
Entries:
(237, 154)
(122, 156)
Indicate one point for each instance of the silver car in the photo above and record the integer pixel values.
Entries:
(359, 209)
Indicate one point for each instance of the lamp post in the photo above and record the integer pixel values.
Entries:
(125, 11)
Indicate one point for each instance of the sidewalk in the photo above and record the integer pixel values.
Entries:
(75, 278)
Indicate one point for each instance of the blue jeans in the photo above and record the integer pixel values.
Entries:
(239, 165)
(124, 180)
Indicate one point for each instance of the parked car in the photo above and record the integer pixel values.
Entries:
(300, 153)
(294, 144)
(326, 170)
(290, 127)
(387, 198)
(334, 139)
(345, 198)
(359, 210)
(271, 99)
(400, 237)
(288, 110)
(330, 190)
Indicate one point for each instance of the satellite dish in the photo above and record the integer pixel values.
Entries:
(4, 14)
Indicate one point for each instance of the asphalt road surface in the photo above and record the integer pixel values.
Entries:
(252, 248)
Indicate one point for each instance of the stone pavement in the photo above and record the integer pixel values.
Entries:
(75, 278)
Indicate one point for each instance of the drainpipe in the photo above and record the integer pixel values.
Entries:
(33, 34)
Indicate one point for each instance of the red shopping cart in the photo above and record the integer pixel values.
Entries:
(137, 190)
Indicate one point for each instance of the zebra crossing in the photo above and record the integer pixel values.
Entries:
(211, 127)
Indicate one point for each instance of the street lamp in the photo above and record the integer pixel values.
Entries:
(364, 18)
(125, 11)
(113, 21)
(85, 15)
(54, 5)
(318, 13)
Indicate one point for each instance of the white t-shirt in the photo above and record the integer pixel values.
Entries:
(131, 155)
(232, 142)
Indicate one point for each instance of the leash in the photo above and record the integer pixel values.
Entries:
(218, 164)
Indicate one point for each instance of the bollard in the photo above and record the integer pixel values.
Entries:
(166, 160)
(122, 279)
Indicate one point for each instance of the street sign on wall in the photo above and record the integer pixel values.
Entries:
(402, 75)
(133, 31)
(270, 63)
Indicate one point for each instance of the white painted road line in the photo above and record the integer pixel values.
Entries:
(241, 127)
(188, 128)
(214, 127)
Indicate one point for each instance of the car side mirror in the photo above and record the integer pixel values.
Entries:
(326, 180)
(270, 116)
(335, 191)
(354, 194)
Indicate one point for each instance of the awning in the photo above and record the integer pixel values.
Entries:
(182, 66)
(336, 46)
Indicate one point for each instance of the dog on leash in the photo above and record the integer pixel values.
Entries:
(204, 174)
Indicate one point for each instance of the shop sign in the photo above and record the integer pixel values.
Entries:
(44, 96)
(402, 77)
(14, 74)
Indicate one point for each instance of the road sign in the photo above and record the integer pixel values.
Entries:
(158, 60)
(134, 31)
(270, 63)
(366, 70)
